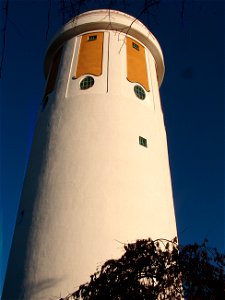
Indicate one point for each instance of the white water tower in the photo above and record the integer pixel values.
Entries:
(98, 173)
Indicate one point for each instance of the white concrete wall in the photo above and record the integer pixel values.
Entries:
(90, 186)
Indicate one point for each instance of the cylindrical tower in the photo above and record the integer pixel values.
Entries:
(98, 173)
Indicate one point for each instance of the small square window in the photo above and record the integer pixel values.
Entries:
(142, 141)
(92, 38)
(135, 46)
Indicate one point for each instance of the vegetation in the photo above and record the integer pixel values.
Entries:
(158, 269)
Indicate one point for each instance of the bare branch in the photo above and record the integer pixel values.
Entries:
(6, 8)
(48, 20)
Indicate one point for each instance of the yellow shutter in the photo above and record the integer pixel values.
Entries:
(90, 54)
(53, 72)
(136, 63)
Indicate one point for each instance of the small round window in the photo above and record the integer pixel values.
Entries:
(86, 83)
(139, 92)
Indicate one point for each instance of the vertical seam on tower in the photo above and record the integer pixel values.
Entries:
(153, 90)
(71, 67)
(149, 58)
(149, 68)
(107, 90)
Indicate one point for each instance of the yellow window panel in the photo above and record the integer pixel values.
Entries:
(53, 72)
(90, 54)
(136, 63)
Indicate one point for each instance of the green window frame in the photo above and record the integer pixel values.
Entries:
(143, 141)
(92, 38)
(87, 82)
(139, 92)
(135, 46)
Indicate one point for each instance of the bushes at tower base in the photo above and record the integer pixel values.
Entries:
(160, 269)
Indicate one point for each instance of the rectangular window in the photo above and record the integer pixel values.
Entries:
(135, 46)
(92, 38)
(142, 141)
(136, 63)
(90, 54)
(53, 74)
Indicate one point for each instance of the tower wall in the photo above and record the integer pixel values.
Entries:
(92, 183)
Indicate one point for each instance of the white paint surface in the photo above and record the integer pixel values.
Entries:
(90, 186)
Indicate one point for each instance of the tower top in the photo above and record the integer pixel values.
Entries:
(105, 19)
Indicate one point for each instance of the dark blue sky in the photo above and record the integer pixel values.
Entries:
(191, 34)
